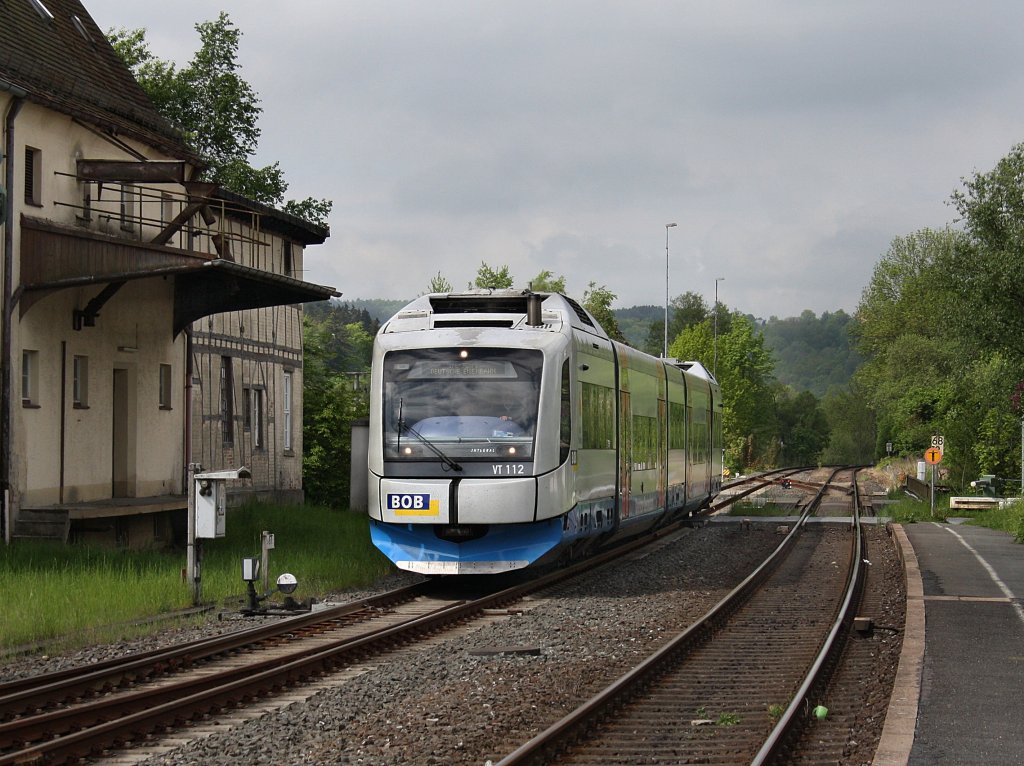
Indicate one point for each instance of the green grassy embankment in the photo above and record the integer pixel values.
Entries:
(1009, 519)
(80, 594)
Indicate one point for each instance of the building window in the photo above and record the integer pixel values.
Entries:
(165, 387)
(30, 378)
(127, 207)
(227, 402)
(287, 410)
(166, 208)
(252, 419)
(33, 177)
(80, 381)
(287, 254)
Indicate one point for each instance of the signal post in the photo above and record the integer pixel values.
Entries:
(933, 456)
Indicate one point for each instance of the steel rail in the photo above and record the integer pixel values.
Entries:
(36, 691)
(197, 698)
(816, 675)
(756, 482)
(537, 749)
(69, 682)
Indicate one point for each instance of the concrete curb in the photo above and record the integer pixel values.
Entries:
(901, 718)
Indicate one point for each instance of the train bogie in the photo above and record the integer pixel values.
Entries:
(508, 430)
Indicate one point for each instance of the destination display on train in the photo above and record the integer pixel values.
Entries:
(462, 368)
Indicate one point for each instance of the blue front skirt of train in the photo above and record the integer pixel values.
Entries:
(416, 548)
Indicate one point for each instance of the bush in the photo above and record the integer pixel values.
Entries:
(1009, 519)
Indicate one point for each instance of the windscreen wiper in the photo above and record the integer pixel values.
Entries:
(403, 426)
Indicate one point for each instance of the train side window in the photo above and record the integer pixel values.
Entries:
(565, 428)
(597, 428)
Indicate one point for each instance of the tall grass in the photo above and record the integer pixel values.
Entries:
(1009, 519)
(907, 510)
(82, 593)
(325, 549)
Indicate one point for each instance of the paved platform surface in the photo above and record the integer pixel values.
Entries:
(970, 709)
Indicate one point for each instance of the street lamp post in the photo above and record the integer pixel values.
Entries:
(714, 366)
(664, 352)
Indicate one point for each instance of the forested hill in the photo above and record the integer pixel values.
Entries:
(811, 353)
(380, 309)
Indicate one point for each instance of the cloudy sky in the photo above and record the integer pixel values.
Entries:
(791, 141)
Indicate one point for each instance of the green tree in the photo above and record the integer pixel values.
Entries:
(982, 421)
(217, 111)
(654, 342)
(684, 311)
(598, 301)
(438, 284)
(331, 401)
(812, 353)
(802, 428)
(745, 372)
(347, 335)
(690, 309)
(988, 273)
(913, 354)
(546, 282)
(310, 209)
(851, 427)
(489, 279)
(909, 292)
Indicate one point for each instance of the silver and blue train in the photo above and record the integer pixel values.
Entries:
(507, 430)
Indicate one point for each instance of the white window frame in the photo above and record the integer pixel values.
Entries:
(256, 417)
(128, 192)
(80, 382)
(30, 378)
(286, 409)
(165, 397)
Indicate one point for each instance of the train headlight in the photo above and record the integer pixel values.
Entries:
(511, 450)
(463, 354)
(407, 451)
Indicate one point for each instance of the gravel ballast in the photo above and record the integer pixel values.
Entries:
(454, 701)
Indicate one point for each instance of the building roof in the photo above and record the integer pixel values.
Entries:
(278, 221)
(55, 52)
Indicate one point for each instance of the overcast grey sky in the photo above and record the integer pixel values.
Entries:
(791, 141)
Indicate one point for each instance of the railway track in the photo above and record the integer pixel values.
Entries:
(736, 698)
(70, 715)
(73, 714)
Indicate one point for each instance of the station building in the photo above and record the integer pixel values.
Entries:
(150, 320)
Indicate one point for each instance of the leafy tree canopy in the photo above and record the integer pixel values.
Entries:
(491, 279)
(813, 353)
(941, 329)
(598, 301)
(331, 401)
(988, 275)
(438, 284)
(546, 282)
(745, 371)
(217, 111)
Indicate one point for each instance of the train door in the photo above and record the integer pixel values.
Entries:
(663, 449)
(702, 449)
(625, 454)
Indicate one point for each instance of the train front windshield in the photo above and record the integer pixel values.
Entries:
(461, 404)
